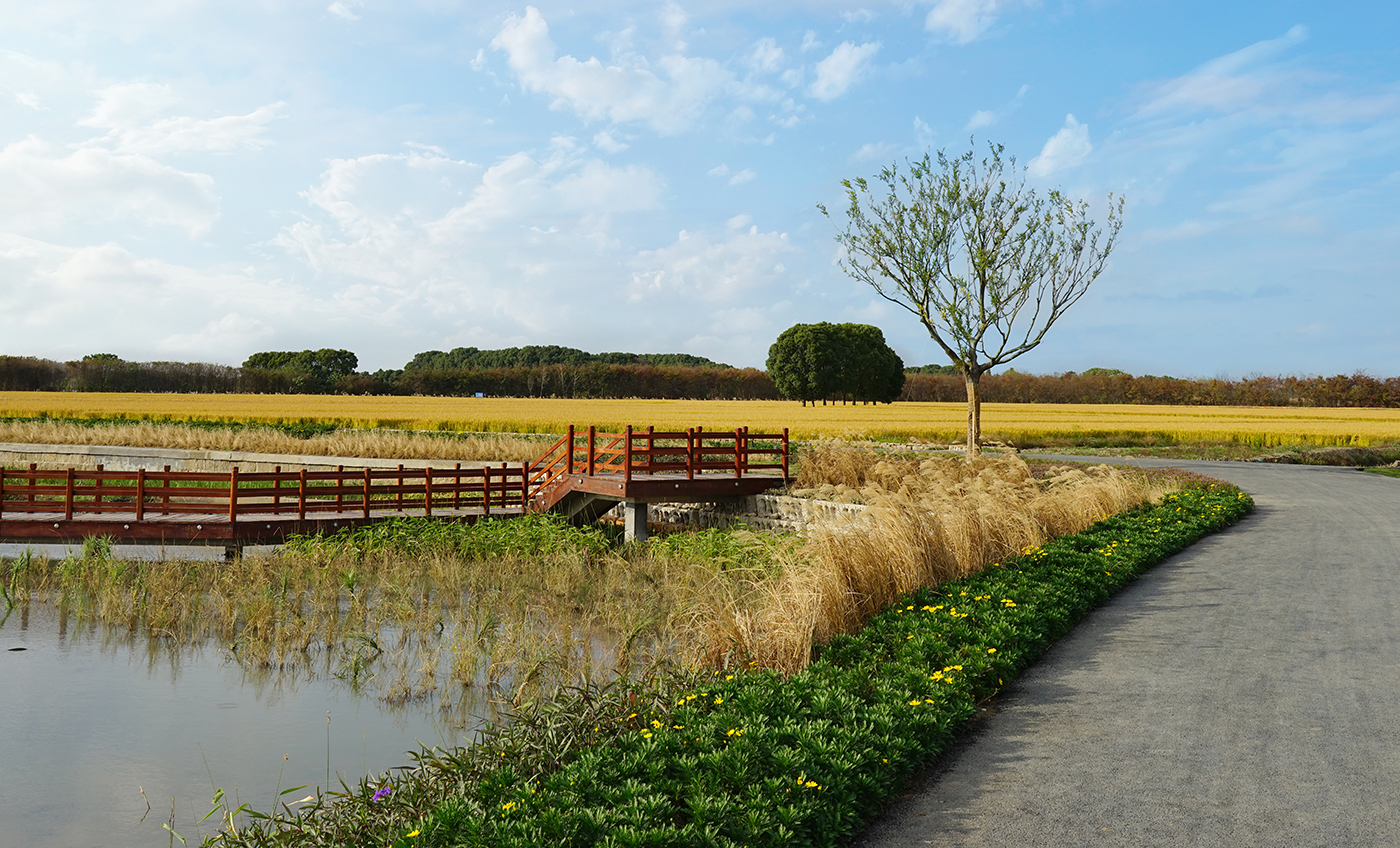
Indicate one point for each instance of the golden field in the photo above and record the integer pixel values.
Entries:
(1022, 423)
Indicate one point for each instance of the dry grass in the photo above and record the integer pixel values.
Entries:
(387, 444)
(1022, 424)
(928, 521)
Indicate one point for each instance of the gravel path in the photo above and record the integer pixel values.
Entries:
(1245, 692)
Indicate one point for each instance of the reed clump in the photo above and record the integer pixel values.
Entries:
(926, 521)
(313, 441)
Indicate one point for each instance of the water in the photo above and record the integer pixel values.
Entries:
(91, 717)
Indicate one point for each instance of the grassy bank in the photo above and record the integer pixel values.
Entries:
(757, 757)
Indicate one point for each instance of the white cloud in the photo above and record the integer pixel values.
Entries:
(873, 150)
(670, 101)
(988, 117)
(605, 142)
(809, 41)
(47, 187)
(742, 177)
(1249, 81)
(29, 100)
(962, 21)
(343, 11)
(766, 57)
(720, 170)
(1065, 149)
(923, 133)
(129, 114)
(697, 267)
(859, 16)
(981, 118)
(127, 300)
(840, 70)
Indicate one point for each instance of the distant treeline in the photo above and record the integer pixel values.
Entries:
(590, 380)
(534, 355)
(1106, 386)
(107, 373)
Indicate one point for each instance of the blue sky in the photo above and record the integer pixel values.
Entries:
(198, 181)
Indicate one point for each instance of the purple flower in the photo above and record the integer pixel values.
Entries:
(383, 793)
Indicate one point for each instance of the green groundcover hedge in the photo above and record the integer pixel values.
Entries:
(761, 759)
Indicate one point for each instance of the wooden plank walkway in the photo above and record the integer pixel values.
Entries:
(237, 509)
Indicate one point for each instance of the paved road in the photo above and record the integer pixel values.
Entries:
(1245, 692)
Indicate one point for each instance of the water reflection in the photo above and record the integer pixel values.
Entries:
(97, 722)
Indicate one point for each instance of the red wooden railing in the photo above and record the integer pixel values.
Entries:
(634, 451)
(240, 494)
(147, 495)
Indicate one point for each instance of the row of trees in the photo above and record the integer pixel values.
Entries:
(1341, 390)
(102, 374)
(534, 355)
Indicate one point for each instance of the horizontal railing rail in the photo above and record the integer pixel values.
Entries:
(150, 495)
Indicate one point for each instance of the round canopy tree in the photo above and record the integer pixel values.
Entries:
(984, 262)
(811, 362)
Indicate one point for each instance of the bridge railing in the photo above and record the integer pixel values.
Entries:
(633, 452)
(237, 495)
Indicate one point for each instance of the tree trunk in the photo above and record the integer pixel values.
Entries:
(974, 416)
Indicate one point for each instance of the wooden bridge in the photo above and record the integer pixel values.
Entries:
(582, 475)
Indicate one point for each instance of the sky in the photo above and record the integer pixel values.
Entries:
(198, 181)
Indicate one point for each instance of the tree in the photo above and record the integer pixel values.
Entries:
(811, 362)
(309, 370)
(986, 263)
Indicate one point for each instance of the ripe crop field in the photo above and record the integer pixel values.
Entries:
(1028, 424)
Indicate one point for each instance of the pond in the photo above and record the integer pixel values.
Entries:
(106, 734)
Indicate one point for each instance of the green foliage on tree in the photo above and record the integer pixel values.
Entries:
(984, 262)
(311, 370)
(536, 355)
(811, 362)
(1104, 372)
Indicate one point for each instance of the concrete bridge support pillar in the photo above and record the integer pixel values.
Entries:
(634, 515)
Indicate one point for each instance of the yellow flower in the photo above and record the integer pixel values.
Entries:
(412, 834)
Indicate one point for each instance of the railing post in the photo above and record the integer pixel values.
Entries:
(627, 454)
(277, 490)
(690, 453)
(651, 444)
(457, 487)
(486, 490)
(524, 487)
(569, 451)
(97, 484)
(340, 488)
(592, 434)
(365, 506)
(165, 493)
(301, 495)
(785, 456)
(33, 481)
(398, 496)
(233, 495)
(68, 498)
(738, 439)
(428, 490)
(140, 494)
(2, 491)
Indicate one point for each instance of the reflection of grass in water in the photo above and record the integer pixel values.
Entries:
(415, 613)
